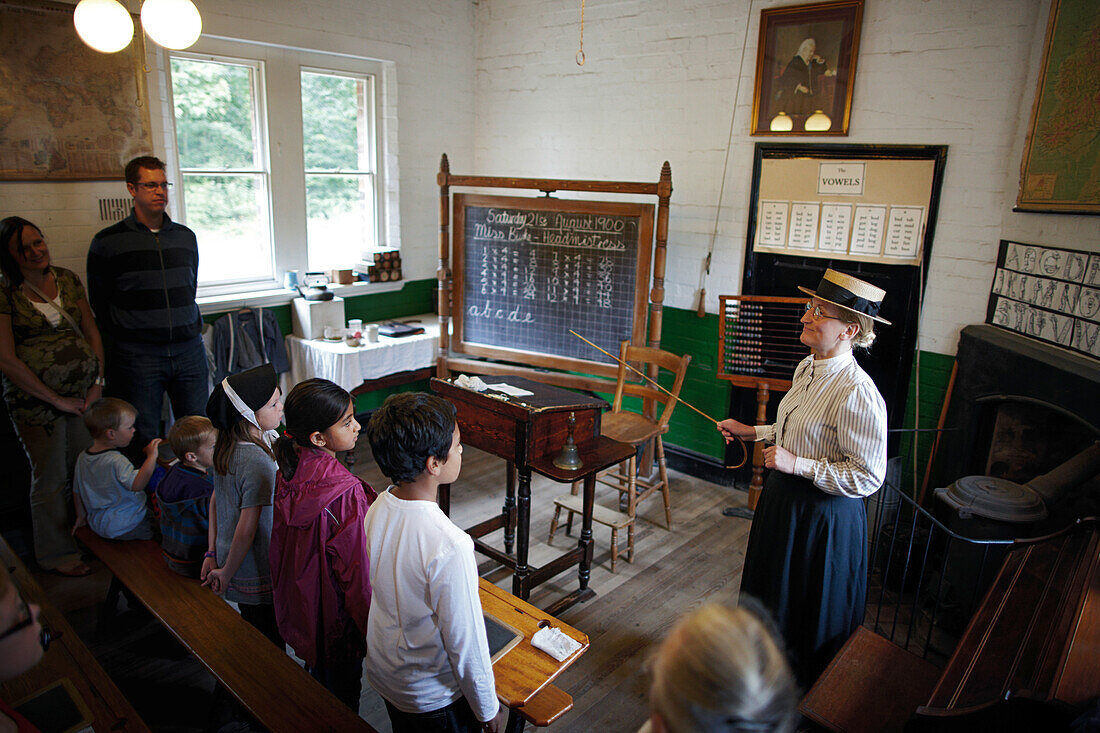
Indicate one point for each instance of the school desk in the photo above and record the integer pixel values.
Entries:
(524, 674)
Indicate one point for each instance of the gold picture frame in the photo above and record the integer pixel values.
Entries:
(1058, 172)
(805, 69)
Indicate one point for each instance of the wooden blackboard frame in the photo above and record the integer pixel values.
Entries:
(644, 251)
(549, 368)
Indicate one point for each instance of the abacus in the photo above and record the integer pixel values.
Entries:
(759, 349)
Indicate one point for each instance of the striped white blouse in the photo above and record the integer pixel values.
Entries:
(834, 420)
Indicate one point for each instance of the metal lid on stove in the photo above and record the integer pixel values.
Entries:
(994, 498)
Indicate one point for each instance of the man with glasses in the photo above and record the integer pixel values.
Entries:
(142, 278)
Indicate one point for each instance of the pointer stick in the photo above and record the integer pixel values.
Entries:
(652, 381)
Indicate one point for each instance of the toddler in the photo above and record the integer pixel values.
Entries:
(184, 495)
(110, 492)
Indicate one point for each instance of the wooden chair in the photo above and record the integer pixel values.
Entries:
(636, 429)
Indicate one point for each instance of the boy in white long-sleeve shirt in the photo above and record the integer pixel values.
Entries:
(427, 654)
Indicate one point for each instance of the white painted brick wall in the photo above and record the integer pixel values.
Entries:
(659, 84)
(494, 84)
(431, 43)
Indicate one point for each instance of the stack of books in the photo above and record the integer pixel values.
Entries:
(380, 267)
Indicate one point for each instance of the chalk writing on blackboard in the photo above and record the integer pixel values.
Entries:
(530, 275)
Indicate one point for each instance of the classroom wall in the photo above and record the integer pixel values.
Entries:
(661, 80)
(660, 83)
(431, 45)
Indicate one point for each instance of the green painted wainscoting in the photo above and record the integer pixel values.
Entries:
(416, 297)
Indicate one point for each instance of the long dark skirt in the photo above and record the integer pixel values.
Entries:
(806, 562)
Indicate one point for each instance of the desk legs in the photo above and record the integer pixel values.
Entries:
(584, 570)
(510, 508)
(523, 534)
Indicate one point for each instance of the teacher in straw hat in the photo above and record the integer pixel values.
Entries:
(806, 559)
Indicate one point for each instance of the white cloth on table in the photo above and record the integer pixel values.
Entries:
(350, 366)
(554, 642)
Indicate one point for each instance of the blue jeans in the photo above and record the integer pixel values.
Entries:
(457, 717)
(143, 375)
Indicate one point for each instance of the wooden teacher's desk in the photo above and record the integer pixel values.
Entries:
(529, 432)
(66, 659)
(386, 362)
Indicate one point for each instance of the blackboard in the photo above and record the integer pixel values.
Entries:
(527, 270)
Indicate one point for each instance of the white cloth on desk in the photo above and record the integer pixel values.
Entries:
(350, 366)
(554, 642)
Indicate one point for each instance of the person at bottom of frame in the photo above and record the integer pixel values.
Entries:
(806, 559)
(427, 652)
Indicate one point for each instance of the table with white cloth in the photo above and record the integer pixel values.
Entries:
(372, 365)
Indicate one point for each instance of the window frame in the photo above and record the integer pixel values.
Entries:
(279, 88)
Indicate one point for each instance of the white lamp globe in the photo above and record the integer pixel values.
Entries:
(174, 24)
(104, 25)
(782, 123)
(818, 122)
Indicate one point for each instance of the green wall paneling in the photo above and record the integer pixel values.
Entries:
(934, 372)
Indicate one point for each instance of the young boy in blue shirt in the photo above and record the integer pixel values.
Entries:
(184, 495)
(110, 492)
(427, 654)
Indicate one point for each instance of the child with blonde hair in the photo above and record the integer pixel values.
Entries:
(720, 669)
(184, 495)
(110, 492)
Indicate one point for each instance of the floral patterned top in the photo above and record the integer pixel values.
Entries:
(60, 357)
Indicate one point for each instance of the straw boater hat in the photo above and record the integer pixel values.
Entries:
(849, 293)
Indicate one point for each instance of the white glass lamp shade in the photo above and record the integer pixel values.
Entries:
(174, 24)
(104, 25)
(818, 122)
(782, 123)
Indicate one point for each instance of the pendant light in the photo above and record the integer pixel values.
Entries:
(174, 24)
(782, 123)
(818, 122)
(104, 25)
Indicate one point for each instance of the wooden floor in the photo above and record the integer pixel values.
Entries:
(700, 560)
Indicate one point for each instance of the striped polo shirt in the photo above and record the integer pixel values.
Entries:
(834, 420)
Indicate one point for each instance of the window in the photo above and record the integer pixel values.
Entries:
(339, 167)
(279, 160)
(223, 168)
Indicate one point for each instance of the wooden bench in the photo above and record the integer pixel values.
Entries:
(871, 685)
(269, 684)
(601, 515)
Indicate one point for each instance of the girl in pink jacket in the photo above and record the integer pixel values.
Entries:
(319, 567)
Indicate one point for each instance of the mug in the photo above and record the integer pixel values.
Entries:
(372, 332)
(290, 280)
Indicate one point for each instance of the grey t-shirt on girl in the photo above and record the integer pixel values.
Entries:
(250, 482)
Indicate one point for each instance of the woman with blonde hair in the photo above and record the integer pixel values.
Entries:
(720, 669)
(806, 559)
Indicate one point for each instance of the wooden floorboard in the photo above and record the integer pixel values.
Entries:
(700, 560)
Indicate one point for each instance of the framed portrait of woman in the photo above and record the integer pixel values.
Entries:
(805, 68)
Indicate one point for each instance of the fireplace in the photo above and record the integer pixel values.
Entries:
(1020, 407)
